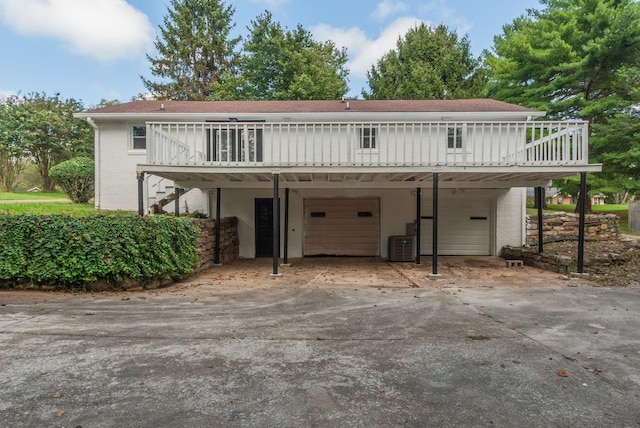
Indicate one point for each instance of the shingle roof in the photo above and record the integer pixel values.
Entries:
(383, 106)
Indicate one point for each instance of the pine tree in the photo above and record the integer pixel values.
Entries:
(579, 60)
(194, 50)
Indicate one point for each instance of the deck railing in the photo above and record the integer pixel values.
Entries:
(367, 143)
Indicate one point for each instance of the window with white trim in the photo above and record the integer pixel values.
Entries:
(139, 137)
(368, 138)
(454, 137)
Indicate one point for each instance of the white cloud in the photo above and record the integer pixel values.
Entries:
(271, 3)
(443, 14)
(364, 52)
(388, 8)
(107, 30)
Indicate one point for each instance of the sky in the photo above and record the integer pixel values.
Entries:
(91, 50)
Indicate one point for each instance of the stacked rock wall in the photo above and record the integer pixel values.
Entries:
(206, 241)
(561, 225)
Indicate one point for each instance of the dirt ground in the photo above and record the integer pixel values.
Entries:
(334, 272)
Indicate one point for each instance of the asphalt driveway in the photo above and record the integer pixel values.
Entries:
(334, 342)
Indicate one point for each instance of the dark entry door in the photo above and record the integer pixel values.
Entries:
(264, 227)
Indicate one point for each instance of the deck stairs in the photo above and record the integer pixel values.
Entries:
(161, 194)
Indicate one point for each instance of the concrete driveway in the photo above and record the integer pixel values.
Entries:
(333, 343)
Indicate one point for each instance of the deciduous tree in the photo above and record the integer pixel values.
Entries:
(282, 64)
(13, 155)
(428, 63)
(42, 128)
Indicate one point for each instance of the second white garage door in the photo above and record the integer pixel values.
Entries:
(342, 227)
(464, 227)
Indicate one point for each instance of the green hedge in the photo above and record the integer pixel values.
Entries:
(70, 252)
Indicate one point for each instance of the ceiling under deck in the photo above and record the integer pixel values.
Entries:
(331, 177)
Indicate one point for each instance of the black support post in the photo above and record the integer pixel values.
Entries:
(177, 202)
(286, 227)
(582, 200)
(539, 198)
(418, 223)
(276, 223)
(140, 177)
(434, 269)
(216, 259)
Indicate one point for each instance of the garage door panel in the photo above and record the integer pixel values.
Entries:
(463, 227)
(342, 226)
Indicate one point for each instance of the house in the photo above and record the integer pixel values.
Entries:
(448, 177)
(555, 197)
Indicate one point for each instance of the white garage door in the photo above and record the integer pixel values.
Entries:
(342, 227)
(464, 227)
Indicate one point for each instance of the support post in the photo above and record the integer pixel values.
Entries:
(216, 259)
(140, 177)
(176, 210)
(434, 269)
(276, 224)
(286, 228)
(539, 198)
(582, 200)
(418, 222)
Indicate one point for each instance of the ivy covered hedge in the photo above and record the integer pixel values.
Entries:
(69, 252)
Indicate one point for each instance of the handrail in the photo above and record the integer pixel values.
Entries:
(371, 143)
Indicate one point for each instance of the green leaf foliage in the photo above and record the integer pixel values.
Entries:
(13, 154)
(76, 177)
(282, 64)
(579, 59)
(428, 63)
(575, 59)
(69, 252)
(42, 129)
(194, 50)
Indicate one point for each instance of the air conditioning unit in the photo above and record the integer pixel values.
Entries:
(401, 248)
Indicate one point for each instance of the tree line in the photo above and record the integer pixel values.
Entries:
(574, 59)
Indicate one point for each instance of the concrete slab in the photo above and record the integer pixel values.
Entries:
(326, 346)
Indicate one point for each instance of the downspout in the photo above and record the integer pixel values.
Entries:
(96, 155)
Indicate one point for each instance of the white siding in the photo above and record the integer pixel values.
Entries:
(117, 169)
(510, 214)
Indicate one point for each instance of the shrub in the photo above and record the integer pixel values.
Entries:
(71, 252)
(76, 177)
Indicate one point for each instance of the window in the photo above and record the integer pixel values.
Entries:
(234, 145)
(367, 138)
(454, 138)
(139, 137)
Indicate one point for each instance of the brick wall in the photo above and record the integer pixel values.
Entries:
(602, 227)
(206, 241)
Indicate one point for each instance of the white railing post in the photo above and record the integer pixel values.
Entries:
(396, 143)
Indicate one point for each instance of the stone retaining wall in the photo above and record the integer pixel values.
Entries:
(561, 263)
(206, 241)
(560, 225)
(531, 257)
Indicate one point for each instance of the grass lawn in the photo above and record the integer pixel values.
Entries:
(45, 208)
(10, 203)
(621, 211)
(15, 196)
